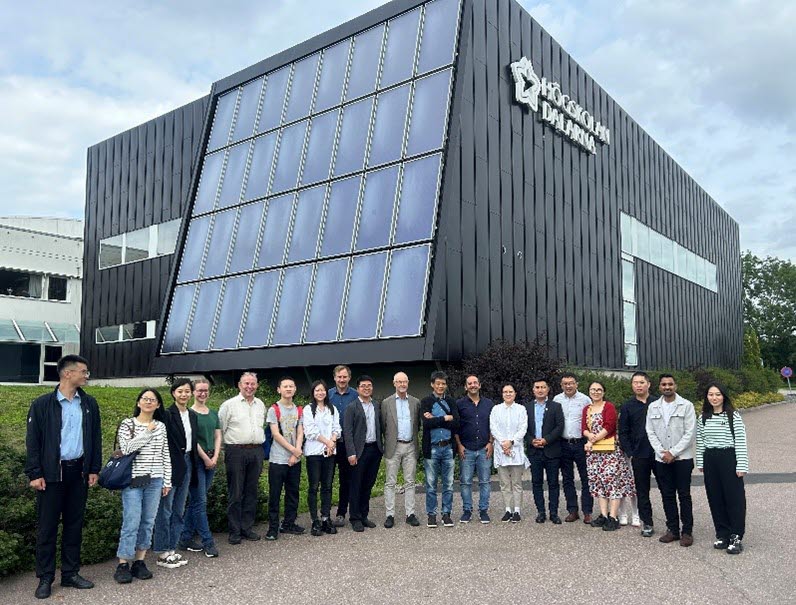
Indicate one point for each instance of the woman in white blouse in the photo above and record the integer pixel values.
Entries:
(321, 430)
(508, 423)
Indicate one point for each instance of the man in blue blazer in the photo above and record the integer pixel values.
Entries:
(543, 447)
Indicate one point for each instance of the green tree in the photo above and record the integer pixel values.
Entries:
(769, 302)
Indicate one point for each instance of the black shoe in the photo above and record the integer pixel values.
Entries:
(598, 521)
(250, 535)
(555, 519)
(389, 522)
(211, 552)
(233, 539)
(139, 570)
(432, 521)
(291, 528)
(316, 529)
(44, 589)
(328, 527)
(647, 531)
(735, 547)
(446, 520)
(412, 520)
(515, 518)
(191, 546)
(506, 517)
(76, 581)
(721, 544)
(541, 518)
(122, 575)
(368, 523)
(611, 524)
(357, 526)
(272, 534)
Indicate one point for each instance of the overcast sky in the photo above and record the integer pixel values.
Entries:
(711, 81)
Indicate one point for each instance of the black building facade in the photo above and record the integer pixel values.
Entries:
(408, 186)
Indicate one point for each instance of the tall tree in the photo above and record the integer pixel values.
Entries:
(769, 302)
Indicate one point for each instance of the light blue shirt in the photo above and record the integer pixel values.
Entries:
(404, 419)
(538, 415)
(71, 427)
(573, 413)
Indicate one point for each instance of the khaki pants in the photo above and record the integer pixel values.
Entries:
(405, 457)
(511, 485)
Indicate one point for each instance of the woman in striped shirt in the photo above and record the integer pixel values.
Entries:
(145, 433)
(721, 455)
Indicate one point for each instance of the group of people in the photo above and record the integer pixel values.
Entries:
(345, 429)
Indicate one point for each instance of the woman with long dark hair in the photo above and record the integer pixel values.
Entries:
(721, 455)
(321, 430)
(610, 478)
(144, 432)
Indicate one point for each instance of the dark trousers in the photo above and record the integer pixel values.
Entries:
(62, 502)
(643, 468)
(725, 491)
(344, 478)
(542, 465)
(674, 481)
(280, 475)
(363, 476)
(244, 466)
(573, 455)
(320, 472)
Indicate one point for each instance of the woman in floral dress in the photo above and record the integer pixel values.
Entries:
(610, 477)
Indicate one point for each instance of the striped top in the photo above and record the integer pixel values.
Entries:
(716, 434)
(153, 446)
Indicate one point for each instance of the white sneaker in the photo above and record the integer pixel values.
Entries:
(180, 560)
(170, 561)
(636, 522)
(622, 519)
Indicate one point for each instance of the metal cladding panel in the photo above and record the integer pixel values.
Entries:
(134, 180)
(531, 221)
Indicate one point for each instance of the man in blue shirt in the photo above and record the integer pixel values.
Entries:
(440, 421)
(341, 396)
(64, 457)
(474, 445)
(543, 447)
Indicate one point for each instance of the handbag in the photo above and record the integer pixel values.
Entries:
(608, 444)
(117, 473)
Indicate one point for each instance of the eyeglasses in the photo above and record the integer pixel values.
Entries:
(148, 399)
(596, 390)
(85, 373)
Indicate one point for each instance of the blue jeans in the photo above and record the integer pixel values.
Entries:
(139, 508)
(171, 514)
(196, 515)
(475, 459)
(440, 465)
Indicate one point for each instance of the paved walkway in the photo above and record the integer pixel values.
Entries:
(498, 563)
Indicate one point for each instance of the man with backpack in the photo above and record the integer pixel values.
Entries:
(284, 460)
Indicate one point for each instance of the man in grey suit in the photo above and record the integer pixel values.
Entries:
(400, 422)
(362, 432)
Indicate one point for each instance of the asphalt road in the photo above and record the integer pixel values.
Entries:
(497, 563)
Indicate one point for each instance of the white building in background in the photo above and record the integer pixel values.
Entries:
(41, 272)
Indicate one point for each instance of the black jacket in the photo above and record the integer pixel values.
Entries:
(426, 405)
(633, 429)
(552, 428)
(177, 444)
(43, 439)
(355, 427)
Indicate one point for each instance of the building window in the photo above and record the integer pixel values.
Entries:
(56, 289)
(51, 356)
(20, 283)
(639, 241)
(629, 310)
(141, 244)
(140, 330)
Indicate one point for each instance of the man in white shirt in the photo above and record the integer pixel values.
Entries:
(242, 420)
(572, 452)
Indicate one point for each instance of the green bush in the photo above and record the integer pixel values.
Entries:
(752, 399)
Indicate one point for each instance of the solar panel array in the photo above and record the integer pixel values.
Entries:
(318, 194)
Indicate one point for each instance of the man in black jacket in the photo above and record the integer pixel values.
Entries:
(634, 442)
(440, 417)
(64, 458)
(543, 447)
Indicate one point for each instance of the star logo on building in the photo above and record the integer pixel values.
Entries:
(526, 83)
